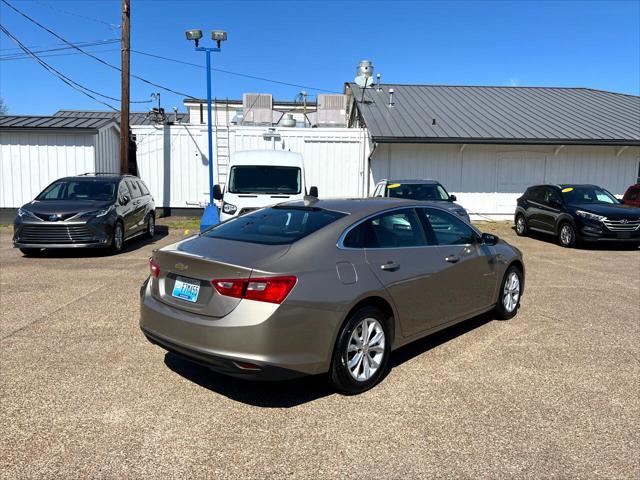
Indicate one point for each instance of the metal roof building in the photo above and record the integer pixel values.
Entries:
(135, 118)
(487, 144)
(36, 150)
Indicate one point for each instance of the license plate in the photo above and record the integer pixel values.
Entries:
(186, 289)
(624, 234)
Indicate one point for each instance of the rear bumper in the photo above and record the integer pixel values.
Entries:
(283, 341)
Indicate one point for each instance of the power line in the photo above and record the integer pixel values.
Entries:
(254, 77)
(76, 86)
(26, 57)
(90, 54)
(11, 56)
(113, 26)
(58, 44)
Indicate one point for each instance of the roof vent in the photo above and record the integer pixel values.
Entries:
(257, 109)
(391, 103)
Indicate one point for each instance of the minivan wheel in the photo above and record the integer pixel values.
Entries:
(118, 238)
(567, 235)
(361, 354)
(30, 252)
(521, 225)
(510, 293)
(151, 226)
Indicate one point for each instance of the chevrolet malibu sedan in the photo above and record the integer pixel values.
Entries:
(324, 286)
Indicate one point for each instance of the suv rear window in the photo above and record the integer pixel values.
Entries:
(275, 225)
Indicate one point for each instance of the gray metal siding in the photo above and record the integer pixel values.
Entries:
(499, 115)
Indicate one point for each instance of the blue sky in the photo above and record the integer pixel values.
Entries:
(318, 44)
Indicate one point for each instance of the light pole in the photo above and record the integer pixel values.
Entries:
(211, 216)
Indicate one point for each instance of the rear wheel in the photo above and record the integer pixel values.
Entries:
(151, 225)
(510, 291)
(30, 252)
(521, 225)
(361, 354)
(567, 235)
(118, 238)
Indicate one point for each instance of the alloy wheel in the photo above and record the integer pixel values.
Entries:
(151, 228)
(118, 237)
(566, 234)
(366, 349)
(511, 292)
(520, 225)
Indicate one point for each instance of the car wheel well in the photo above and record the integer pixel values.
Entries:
(382, 305)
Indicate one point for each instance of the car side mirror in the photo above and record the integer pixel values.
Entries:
(313, 191)
(452, 198)
(124, 199)
(217, 193)
(488, 239)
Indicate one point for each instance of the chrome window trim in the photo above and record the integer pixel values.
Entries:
(340, 242)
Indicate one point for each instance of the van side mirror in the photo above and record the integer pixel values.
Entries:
(217, 193)
(488, 239)
(452, 198)
(313, 191)
(124, 199)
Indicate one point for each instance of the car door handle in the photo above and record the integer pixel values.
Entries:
(452, 258)
(390, 266)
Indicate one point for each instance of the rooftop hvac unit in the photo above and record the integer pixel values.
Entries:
(332, 110)
(257, 109)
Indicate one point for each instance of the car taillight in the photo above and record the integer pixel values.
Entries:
(154, 268)
(268, 289)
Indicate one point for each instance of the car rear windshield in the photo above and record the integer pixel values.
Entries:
(415, 191)
(265, 179)
(98, 190)
(275, 225)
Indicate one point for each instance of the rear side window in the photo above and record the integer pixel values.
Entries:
(536, 194)
(134, 189)
(396, 229)
(275, 226)
(143, 187)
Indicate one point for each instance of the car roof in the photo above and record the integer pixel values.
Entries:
(99, 176)
(414, 181)
(361, 206)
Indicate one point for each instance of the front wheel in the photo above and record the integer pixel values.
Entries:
(510, 292)
(361, 354)
(151, 226)
(567, 235)
(118, 238)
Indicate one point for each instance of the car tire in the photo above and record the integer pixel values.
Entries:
(521, 225)
(117, 239)
(352, 363)
(509, 294)
(31, 252)
(567, 235)
(151, 226)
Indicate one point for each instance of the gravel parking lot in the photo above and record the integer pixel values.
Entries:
(555, 392)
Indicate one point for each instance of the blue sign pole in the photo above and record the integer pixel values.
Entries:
(211, 215)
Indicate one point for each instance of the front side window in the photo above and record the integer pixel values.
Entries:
(551, 197)
(420, 192)
(447, 229)
(89, 189)
(143, 187)
(265, 179)
(396, 229)
(274, 226)
(134, 189)
(588, 195)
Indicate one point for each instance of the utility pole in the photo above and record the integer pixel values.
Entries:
(124, 98)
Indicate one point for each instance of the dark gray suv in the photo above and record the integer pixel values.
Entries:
(87, 211)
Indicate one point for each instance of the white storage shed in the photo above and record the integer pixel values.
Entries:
(35, 151)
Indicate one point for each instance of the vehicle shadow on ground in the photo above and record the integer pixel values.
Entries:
(596, 246)
(129, 246)
(291, 393)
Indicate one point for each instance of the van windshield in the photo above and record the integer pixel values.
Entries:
(265, 179)
(89, 189)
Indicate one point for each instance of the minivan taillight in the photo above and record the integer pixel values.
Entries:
(268, 289)
(154, 268)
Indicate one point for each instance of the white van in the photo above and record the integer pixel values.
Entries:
(258, 178)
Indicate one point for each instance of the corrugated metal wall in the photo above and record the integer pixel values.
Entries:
(107, 150)
(488, 179)
(173, 159)
(29, 161)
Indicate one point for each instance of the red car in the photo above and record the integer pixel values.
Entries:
(632, 196)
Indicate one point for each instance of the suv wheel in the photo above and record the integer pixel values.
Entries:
(510, 290)
(567, 235)
(151, 225)
(361, 354)
(118, 238)
(521, 225)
